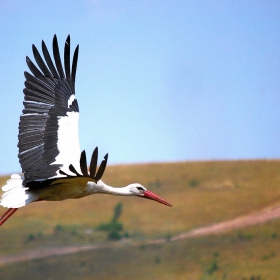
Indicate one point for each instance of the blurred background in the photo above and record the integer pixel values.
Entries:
(157, 80)
(185, 98)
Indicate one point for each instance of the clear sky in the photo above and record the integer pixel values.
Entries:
(157, 80)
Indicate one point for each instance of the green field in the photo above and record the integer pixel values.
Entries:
(202, 193)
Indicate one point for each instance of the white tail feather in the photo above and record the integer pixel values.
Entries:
(15, 194)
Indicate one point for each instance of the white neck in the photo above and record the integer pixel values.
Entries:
(101, 187)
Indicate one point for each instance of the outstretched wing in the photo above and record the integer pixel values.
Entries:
(48, 127)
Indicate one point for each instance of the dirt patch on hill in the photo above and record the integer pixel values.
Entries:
(240, 222)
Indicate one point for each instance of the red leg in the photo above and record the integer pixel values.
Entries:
(7, 215)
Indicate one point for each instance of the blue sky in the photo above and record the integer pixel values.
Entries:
(157, 80)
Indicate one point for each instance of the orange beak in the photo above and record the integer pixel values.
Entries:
(149, 195)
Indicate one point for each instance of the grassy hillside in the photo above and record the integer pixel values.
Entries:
(202, 193)
(239, 255)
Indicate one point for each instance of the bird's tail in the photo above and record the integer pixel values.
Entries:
(15, 194)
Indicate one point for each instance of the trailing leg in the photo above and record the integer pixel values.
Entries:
(7, 215)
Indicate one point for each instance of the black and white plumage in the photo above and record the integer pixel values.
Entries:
(48, 128)
(49, 152)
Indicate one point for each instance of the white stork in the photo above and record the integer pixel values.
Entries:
(53, 167)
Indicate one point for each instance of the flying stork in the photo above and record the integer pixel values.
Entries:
(53, 167)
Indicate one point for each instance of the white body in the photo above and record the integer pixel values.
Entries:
(16, 195)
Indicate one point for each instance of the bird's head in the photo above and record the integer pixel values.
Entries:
(140, 191)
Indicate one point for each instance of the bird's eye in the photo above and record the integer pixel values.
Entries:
(140, 189)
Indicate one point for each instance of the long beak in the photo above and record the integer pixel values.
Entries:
(152, 196)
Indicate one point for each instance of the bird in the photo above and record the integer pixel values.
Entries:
(53, 167)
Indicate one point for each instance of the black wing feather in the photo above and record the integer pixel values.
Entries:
(83, 163)
(49, 60)
(93, 163)
(72, 169)
(102, 168)
(40, 62)
(74, 64)
(57, 59)
(67, 57)
(36, 72)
